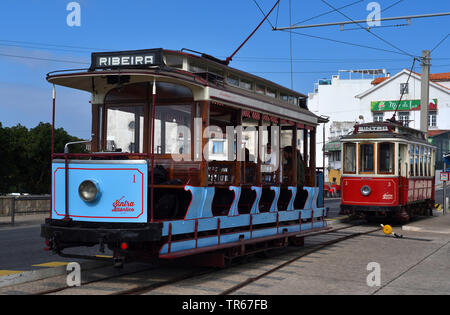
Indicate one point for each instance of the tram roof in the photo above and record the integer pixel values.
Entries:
(386, 129)
(194, 70)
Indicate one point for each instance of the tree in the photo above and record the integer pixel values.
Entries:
(25, 165)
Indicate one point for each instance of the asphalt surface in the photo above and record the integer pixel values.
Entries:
(21, 247)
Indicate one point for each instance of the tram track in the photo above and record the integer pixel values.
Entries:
(144, 280)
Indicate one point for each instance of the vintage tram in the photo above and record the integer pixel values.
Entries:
(189, 157)
(387, 171)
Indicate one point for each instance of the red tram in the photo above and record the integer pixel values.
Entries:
(388, 170)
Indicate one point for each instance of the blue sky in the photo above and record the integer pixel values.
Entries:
(38, 29)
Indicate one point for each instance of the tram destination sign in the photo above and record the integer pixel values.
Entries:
(373, 129)
(127, 59)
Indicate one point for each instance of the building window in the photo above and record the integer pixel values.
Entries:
(378, 117)
(432, 122)
(404, 118)
(404, 88)
(217, 147)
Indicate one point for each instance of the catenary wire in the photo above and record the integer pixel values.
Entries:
(328, 12)
(348, 43)
(368, 30)
(439, 44)
(260, 9)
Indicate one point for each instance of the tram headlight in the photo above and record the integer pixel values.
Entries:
(365, 190)
(88, 190)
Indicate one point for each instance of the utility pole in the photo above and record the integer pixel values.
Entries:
(425, 91)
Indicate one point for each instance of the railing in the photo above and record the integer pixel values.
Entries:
(18, 205)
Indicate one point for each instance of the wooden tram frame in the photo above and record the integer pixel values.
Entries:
(217, 93)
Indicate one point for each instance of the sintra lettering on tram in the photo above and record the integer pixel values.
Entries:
(74, 17)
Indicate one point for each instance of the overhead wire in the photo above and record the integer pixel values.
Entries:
(260, 9)
(43, 59)
(404, 89)
(368, 30)
(47, 44)
(347, 43)
(392, 5)
(328, 12)
(290, 46)
(439, 44)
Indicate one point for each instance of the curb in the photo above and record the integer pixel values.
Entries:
(34, 275)
(424, 230)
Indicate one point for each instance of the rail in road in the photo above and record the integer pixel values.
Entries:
(179, 279)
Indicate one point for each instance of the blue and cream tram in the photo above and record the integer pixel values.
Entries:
(189, 157)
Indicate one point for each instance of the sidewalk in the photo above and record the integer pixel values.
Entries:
(417, 264)
(439, 225)
(31, 219)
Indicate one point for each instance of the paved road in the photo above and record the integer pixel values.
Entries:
(22, 247)
(334, 207)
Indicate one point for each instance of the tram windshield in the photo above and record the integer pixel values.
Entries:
(173, 129)
(125, 129)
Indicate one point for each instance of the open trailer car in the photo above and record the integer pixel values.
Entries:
(189, 156)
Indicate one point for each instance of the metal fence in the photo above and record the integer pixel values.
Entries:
(13, 206)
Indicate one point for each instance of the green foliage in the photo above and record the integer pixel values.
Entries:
(25, 161)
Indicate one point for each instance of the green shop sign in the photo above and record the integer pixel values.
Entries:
(332, 146)
(403, 106)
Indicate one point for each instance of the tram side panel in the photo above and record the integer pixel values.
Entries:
(361, 191)
(121, 191)
(418, 190)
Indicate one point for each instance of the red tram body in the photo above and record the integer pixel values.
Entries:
(388, 170)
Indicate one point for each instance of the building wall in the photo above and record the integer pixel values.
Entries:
(338, 101)
(391, 92)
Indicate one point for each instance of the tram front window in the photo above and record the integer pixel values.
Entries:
(350, 158)
(173, 129)
(386, 158)
(125, 129)
(366, 158)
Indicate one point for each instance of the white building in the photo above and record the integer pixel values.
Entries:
(335, 98)
(382, 99)
(359, 99)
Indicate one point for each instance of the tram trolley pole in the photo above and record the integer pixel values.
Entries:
(444, 186)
